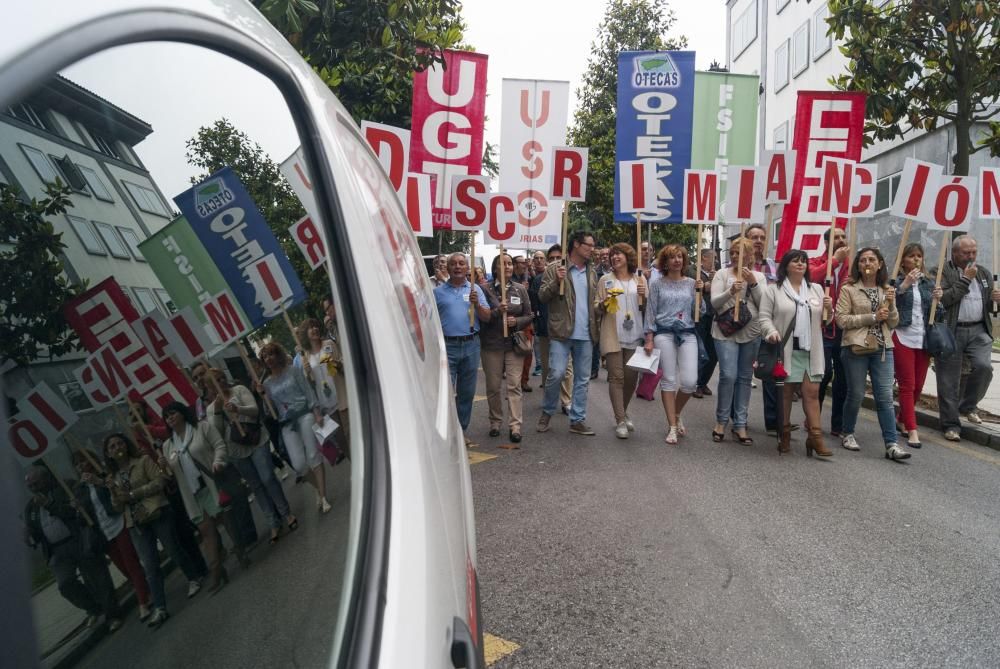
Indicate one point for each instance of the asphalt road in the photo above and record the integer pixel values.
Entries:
(281, 612)
(599, 552)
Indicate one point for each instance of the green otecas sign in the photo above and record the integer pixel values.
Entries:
(181, 263)
(725, 121)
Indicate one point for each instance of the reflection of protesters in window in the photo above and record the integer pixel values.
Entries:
(54, 525)
(94, 497)
(248, 451)
(298, 411)
(196, 453)
(136, 485)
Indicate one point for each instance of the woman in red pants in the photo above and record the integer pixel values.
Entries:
(914, 294)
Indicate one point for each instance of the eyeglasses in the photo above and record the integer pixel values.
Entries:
(590, 244)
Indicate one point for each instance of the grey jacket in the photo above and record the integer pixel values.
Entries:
(956, 286)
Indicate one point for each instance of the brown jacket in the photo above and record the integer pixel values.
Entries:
(147, 483)
(562, 308)
(518, 305)
(854, 316)
(609, 324)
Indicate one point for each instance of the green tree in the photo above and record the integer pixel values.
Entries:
(923, 63)
(33, 287)
(628, 25)
(220, 144)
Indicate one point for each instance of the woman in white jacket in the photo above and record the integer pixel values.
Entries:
(792, 310)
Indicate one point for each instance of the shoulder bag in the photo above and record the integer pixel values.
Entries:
(770, 353)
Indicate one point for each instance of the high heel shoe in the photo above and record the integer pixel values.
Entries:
(746, 441)
(785, 441)
(814, 442)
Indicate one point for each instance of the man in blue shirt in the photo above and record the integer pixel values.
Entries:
(455, 298)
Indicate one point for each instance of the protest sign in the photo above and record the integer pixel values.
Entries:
(724, 127)
(43, 418)
(569, 174)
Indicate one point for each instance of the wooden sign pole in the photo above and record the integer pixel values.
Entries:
(899, 252)
(739, 269)
(503, 289)
(256, 379)
(565, 248)
(638, 248)
(829, 265)
(945, 242)
(218, 390)
(697, 273)
(472, 281)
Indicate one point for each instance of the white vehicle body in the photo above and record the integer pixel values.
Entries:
(412, 578)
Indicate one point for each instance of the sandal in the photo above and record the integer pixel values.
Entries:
(293, 524)
(275, 535)
(746, 441)
(681, 430)
(718, 436)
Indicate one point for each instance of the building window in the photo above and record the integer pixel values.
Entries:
(781, 66)
(105, 146)
(800, 49)
(146, 199)
(885, 191)
(745, 29)
(86, 235)
(42, 166)
(97, 185)
(70, 174)
(165, 300)
(132, 242)
(144, 296)
(821, 40)
(28, 114)
(781, 137)
(111, 240)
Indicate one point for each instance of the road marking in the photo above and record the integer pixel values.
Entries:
(475, 457)
(940, 441)
(495, 648)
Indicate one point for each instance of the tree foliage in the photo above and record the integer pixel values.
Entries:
(628, 25)
(220, 144)
(366, 51)
(33, 287)
(923, 63)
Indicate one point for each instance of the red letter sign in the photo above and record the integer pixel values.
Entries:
(701, 196)
(469, 199)
(225, 318)
(569, 174)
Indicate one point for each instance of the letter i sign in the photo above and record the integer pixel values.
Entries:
(638, 185)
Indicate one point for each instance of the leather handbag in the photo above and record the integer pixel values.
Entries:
(522, 342)
(870, 346)
(770, 353)
(729, 324)
(940, 340)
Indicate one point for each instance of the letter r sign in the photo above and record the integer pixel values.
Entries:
(569, 174)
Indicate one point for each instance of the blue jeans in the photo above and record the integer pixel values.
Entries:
(463, 364)
(144, 538)
(857, 368)
(258, 471)
(559, 352)
(735, 374)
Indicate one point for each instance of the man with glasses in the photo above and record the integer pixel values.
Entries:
(572, 329)
(541, 309)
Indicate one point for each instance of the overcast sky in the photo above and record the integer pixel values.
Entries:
(178, 88)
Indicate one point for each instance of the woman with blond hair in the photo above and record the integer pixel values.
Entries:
(619, 293)
(670, 328)
(736, 337)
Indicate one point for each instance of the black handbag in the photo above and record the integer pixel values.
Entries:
(940, 340)
(770, 353)
(729, 324)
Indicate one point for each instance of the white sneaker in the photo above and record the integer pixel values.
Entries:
(621, 431)
(850, 443)
(144, 613)
(973, 417)
(193, 588)
(895, 452)
(671, 436)
(952, 435)
(159, 617)
(324, 506)
(629, 424)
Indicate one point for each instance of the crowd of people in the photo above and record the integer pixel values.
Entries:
(177, 478)
(833, 323)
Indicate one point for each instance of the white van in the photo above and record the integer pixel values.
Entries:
(120, 89)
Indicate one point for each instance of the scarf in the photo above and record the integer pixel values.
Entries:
(803, 314)
(188, 466)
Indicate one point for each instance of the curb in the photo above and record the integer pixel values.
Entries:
(987, 434)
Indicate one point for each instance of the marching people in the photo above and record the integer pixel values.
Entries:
(967, 292)
(503, 357)
(335, 366)
(94, 497)
(455, 300)
(538, 263)
(670, 328)
(915, 291)
(522, 276)
(136, 484)
(572, 329)
(757, 235)
(68, 546)
(196, 454)
(298, 410)
(791, 311)
(834, 374)
(554, 255)
(736, 339)
(619, 293)
(247, 451)
(706, 367)
(440, 270)
(867, 313)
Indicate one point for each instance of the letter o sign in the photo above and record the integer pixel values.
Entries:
(953, 203)
(28, 439)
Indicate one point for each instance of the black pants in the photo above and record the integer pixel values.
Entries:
(834, 371)
(706, 368)
(96, 593)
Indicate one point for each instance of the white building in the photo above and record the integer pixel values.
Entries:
(785, 43)
(65, 131)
